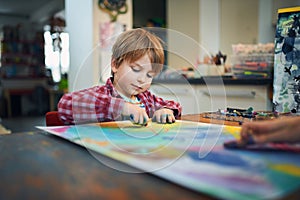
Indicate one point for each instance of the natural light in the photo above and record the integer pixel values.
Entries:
(57, 54)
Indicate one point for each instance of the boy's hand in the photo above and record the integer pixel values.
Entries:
(163, 116)
(137, 114)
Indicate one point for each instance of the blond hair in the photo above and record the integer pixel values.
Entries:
(134, 44)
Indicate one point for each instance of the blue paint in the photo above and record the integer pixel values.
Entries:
(221, 159)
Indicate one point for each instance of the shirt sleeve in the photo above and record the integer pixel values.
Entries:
(89, 105)
(154, 103)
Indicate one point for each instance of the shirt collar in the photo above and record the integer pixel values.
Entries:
(110, 85)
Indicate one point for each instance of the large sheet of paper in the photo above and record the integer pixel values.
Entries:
(192, 155)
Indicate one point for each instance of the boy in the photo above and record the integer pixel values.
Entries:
(136, 58)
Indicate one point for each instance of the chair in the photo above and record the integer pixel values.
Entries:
(52, 119)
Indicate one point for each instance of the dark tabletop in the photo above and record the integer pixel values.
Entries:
(37, 165)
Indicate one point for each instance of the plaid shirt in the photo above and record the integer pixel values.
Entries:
(103, 103)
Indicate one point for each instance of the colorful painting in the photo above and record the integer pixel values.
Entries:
(286, 96)
(190, 154)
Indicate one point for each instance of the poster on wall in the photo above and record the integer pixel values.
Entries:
(286, 95)
(109, 31)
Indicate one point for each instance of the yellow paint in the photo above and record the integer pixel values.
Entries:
(292, 9)
(233, 130)
(286, 168)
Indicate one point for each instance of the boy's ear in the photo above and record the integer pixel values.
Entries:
(113, 65)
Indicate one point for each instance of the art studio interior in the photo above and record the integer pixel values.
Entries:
(224, 61)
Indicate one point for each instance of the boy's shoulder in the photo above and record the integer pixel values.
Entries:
(96, 88)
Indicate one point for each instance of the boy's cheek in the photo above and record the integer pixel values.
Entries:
(147, 86)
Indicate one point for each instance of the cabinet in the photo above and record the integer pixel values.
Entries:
(22, 59)
(197, 98)
(185, 94)
(22, 70)
(234, 96)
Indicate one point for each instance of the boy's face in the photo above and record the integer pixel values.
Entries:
(133, 78)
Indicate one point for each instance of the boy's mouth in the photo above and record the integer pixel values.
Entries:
(137, 87)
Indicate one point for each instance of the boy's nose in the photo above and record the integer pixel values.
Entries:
(142, 78)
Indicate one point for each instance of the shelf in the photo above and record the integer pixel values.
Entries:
(23, 82)
(22, 58)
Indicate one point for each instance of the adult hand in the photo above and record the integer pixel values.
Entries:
(278, 130)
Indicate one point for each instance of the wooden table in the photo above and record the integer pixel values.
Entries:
(41, 166)
(198, 118)
(37, 165)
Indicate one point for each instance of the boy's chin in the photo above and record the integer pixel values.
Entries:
(136, 92)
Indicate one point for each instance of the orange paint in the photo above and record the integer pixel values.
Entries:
(91, 141)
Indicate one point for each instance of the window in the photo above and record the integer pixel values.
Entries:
(57, 53)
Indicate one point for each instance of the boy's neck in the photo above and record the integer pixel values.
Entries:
(132, 97)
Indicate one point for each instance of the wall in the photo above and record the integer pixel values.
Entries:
(215, 23)
(79, 25)
(266, 28)
(182, 18)
(102, 69)
(239, 23)
(209, 26)
(83, 18)
(244, 21)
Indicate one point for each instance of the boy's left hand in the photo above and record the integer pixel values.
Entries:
(163, 116)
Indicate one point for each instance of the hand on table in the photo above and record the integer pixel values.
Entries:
(164, 116)
(278, 130)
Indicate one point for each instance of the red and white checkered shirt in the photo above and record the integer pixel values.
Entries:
(103, 103)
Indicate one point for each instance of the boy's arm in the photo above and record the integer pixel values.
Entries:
(89, 105)
(161, 103)
(172, 105)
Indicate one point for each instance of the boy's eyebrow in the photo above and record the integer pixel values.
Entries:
(135, 63)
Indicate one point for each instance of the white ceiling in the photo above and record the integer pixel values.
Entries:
(32, 10)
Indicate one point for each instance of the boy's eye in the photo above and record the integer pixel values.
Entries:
(150, 75)
(139, 69)
(135, 68)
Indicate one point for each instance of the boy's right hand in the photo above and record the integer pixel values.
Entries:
(137, 114)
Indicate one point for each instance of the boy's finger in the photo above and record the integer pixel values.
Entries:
(170, 119)
(132, 119)
(141, 119)
(157, 118)
(164, 118)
